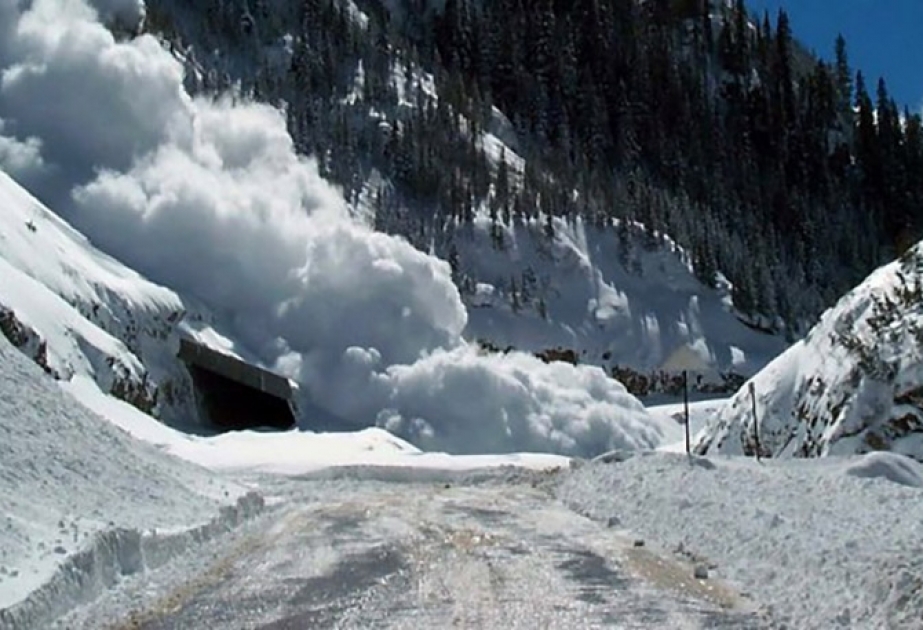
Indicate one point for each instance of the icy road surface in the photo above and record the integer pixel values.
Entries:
(366, 554)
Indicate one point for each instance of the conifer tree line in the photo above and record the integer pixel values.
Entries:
(792, 176)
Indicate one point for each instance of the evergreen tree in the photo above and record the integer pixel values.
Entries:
(844, 84)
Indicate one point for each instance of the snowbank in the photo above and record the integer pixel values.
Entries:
(853, 385)
(814, 543)
(890, 466)
(79, 499)
(208, 197)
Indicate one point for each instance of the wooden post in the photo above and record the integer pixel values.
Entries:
(686, 410)
(756, 423)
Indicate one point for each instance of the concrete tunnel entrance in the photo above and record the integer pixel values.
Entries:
(235, 395)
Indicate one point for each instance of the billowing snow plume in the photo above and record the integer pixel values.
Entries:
(853, 385)
(209, 198)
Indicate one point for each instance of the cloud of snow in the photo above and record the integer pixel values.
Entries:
(435, 400)
(20, 158)
(209, 197)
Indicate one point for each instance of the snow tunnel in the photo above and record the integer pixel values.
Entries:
(233, 395)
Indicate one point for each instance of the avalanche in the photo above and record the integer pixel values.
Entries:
(209, 198)
(214, 227)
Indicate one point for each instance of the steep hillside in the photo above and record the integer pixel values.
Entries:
(609, 297)
(465, 182)
(694, 119)
(210, 198)
(77, 312)
(853, 385)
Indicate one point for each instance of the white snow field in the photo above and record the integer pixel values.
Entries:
(853, 385)
(825, 543)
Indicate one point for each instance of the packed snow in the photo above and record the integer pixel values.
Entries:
(342, 553)
(69, 483)
(830, 543)
(853, 385)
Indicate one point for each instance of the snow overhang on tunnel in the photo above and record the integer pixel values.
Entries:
(234, 394)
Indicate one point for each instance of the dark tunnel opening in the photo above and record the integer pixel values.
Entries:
(233, 406)
(233, 395)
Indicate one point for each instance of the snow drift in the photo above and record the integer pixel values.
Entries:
(853, 385)
(209, 197)
(79, 499)
(818, 543)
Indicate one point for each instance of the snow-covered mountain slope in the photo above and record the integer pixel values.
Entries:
(611, 301)
(79, 313)
(80, 500)
(853, 385)
(609, 297)
(76, 311)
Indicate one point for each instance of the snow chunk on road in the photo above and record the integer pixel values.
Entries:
(819, 547)
(891, 466)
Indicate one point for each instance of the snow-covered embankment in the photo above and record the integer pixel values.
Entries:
(831, 543)
(83, 503)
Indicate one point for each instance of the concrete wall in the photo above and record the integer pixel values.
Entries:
(234, 369)
(234, 394)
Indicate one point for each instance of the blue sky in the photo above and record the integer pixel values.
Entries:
(883, 37)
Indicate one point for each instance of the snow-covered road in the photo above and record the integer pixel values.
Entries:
(360, 554)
